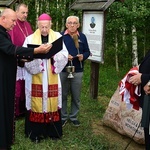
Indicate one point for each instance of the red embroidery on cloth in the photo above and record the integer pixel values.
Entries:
(53, 90)
(37, 90)
(44, 117)
(133, 97)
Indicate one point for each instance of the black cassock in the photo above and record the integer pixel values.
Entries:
(144, 68)
(8, 65)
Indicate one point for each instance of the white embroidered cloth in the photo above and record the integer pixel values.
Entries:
(37, 66)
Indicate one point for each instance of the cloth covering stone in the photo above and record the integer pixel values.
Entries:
(125, 121)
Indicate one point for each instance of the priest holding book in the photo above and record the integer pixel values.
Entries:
(42, 85)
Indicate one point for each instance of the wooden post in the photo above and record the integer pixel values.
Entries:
(94, 80)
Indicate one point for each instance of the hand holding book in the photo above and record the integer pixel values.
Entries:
(56, 47)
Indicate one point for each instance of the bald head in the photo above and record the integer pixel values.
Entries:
(7, 12)
(8, 18)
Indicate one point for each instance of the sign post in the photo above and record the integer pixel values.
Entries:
(93, 28)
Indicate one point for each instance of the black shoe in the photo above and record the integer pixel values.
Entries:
(76, 123)
(64, 122)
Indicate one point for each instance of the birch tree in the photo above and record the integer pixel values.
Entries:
(131, 22)
(134, 39)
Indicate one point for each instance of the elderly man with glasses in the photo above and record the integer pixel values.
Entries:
(77, 46)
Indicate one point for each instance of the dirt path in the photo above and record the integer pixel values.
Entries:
(115, 137)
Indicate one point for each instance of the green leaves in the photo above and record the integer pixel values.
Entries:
(121, 17)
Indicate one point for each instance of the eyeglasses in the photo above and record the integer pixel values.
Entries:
(72, 23)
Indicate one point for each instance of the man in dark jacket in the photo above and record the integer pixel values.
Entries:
(142, 78)
(8, 66)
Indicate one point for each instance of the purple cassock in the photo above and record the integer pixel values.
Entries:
(18, 35)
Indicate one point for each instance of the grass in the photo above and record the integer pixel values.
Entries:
(91, 111)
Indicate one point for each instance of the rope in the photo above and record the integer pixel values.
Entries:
(132, 137)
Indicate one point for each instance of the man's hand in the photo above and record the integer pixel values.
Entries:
(80, 57)
(44, 48)
(70, 57)
(136, 79)
(147, 88)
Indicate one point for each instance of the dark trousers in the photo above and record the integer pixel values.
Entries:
(146, 120)
(147, 138)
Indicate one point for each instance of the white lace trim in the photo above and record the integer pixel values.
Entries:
(20, 73)
(35, 66)
(58, 63)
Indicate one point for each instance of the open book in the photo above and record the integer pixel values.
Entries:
(56, 47)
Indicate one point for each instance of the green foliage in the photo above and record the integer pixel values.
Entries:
(120, 18)
(58, 10)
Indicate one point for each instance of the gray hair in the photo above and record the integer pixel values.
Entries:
(77, 18)
(19, 5)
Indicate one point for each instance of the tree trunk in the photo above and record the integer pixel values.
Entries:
(116, 53)
(134, 47)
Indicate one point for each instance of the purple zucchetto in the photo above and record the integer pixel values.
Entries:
(44, 17)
